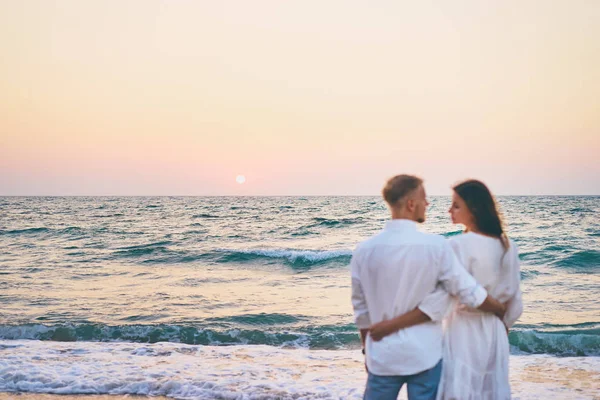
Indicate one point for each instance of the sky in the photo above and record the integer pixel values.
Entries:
(176, 97)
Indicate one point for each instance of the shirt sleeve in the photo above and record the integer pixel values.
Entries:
(457, 281)
(514, 306)
(359, 302)
(435, 304)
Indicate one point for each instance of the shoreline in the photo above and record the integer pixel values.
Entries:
(167, 371)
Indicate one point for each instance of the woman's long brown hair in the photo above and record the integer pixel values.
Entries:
(482, 206)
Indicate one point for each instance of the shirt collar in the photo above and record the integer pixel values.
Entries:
(400, 224)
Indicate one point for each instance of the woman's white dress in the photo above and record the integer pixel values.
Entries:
(476, 348)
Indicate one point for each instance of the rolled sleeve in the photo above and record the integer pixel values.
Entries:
(435, 305)
(458, 282)
(477, 297)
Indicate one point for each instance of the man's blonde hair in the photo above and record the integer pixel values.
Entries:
(400, 186)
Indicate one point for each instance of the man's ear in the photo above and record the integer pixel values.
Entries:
(410, 205)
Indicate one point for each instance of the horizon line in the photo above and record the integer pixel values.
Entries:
(278, 195)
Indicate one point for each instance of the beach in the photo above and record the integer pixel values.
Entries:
(224, 298)
(246, 372)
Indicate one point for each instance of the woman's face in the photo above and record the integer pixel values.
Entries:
(459, 212)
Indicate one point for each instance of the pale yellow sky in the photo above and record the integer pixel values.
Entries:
(302, 97)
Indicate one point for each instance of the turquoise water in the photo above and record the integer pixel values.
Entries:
(264, 270)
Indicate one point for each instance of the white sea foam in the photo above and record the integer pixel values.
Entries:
(296, 255)
(242, 372)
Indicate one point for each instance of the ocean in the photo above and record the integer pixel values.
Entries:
(249, 297)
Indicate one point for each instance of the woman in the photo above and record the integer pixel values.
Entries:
(476, 345)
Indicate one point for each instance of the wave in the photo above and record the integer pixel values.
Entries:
(562, 341)
(26, 231)
(332, 222)
(325, 337)
(303, 232)
(529, 274)
(144, 249)
(205, 216)
(294, 258)
(71, 230)
(584, 261)
(581, 210)
(258, 319)
(566, 342)
(161, 253)
(557, 248)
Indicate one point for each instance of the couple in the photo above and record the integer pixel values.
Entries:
(405, 281)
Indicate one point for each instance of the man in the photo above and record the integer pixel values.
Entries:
(394, 272)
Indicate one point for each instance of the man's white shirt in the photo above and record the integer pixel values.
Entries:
(394, 272)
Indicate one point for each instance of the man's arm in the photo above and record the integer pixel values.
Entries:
(359, 302)
(417, 316)
(386, 328)
(433, 308)
(362, 319)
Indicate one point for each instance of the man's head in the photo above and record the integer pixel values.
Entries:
(406, 197)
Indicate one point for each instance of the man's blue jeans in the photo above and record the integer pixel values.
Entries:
(421, 386)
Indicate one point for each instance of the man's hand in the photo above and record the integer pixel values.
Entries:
(500, 313)
(493, 306)
(381, 330)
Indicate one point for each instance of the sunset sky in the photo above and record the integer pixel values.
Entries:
(301, 97)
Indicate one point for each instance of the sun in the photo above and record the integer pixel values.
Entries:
(241, 179)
